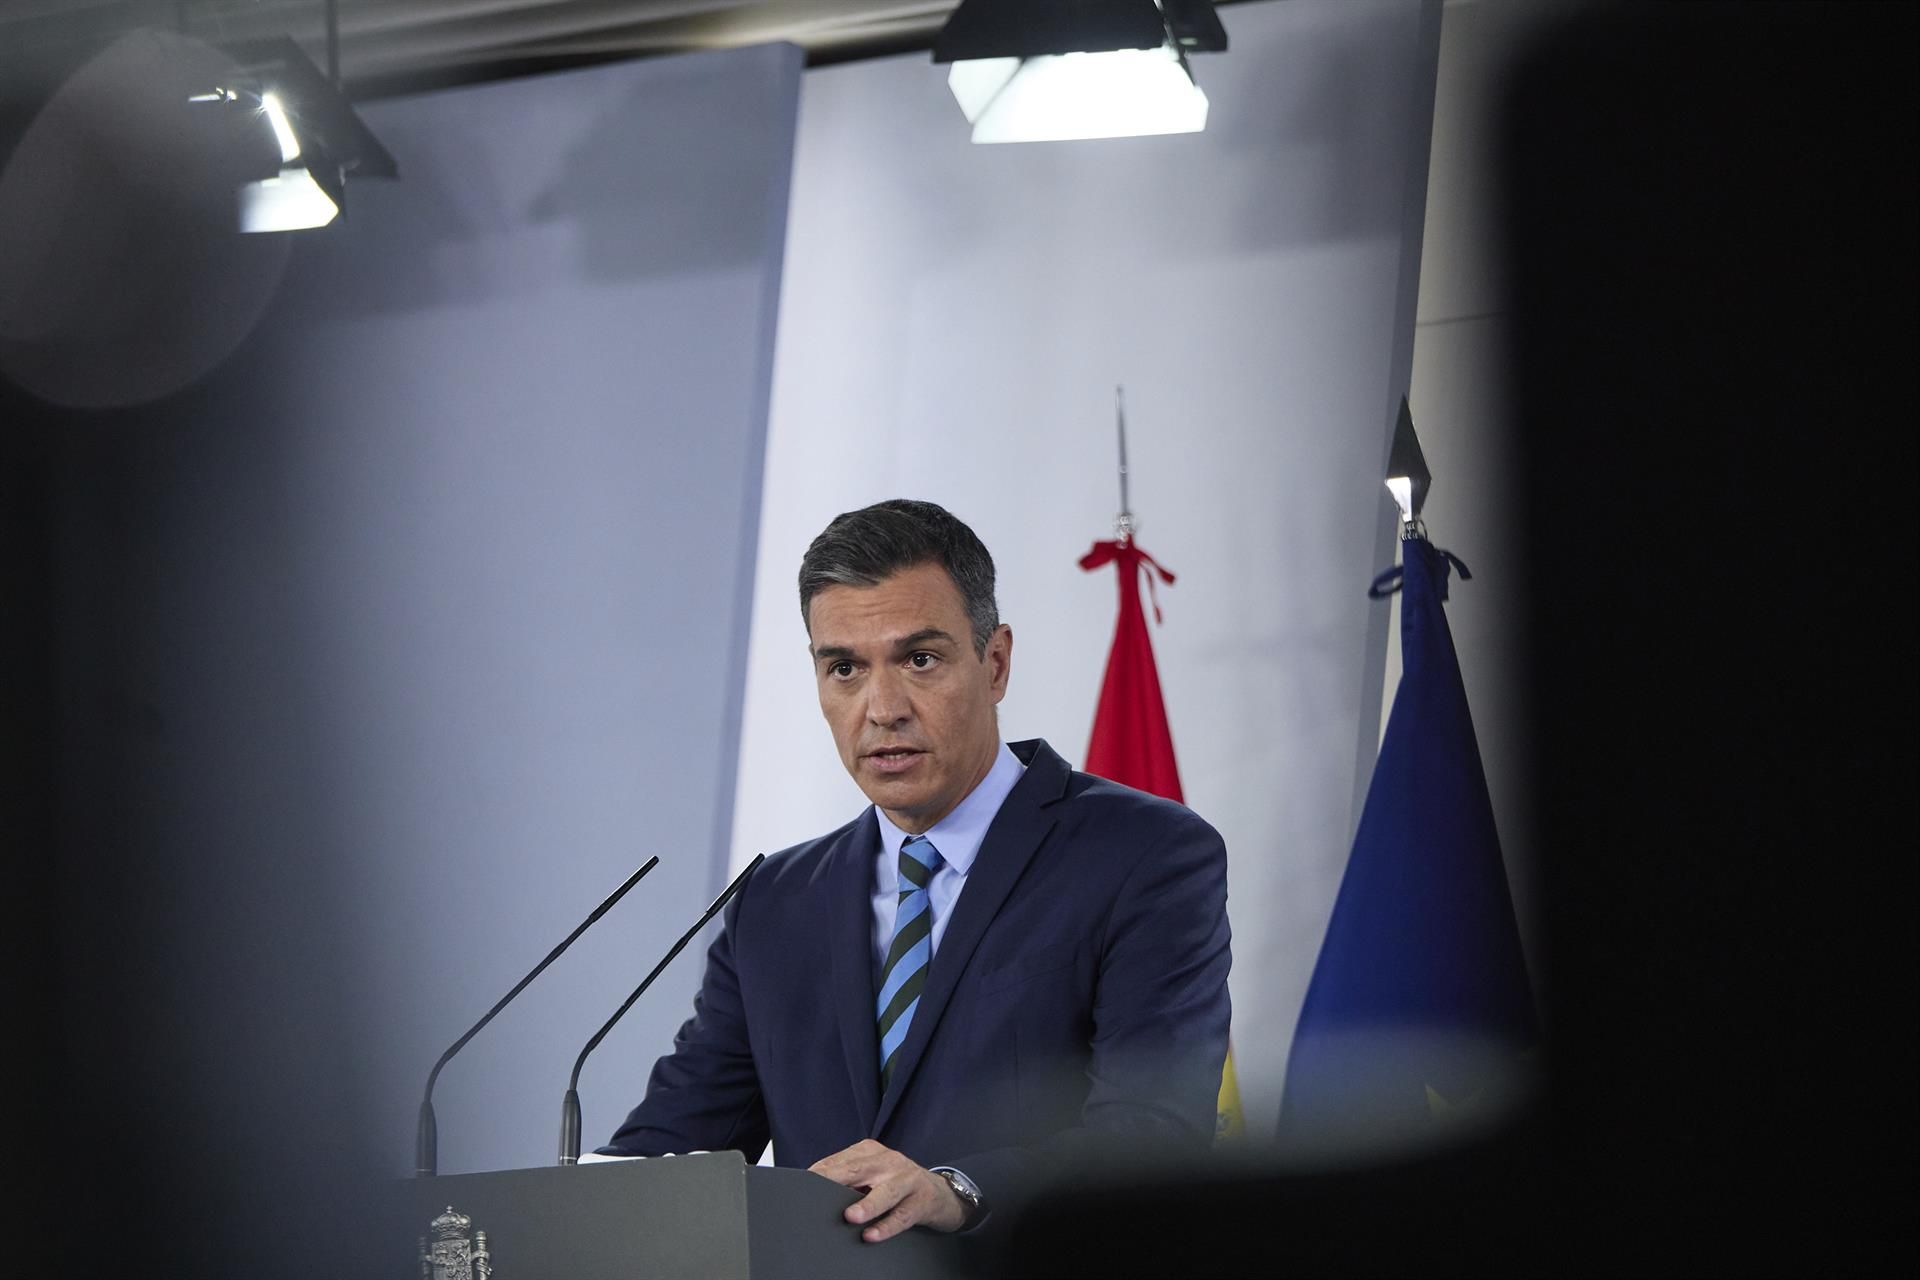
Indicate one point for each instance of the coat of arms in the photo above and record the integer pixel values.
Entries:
(453, 1250)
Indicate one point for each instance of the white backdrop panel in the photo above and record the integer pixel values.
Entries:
(954, 319)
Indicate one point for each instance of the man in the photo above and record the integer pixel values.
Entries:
(1001, 973)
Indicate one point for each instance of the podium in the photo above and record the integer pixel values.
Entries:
(703, 1217)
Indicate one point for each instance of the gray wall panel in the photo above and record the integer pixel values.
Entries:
(422, 621)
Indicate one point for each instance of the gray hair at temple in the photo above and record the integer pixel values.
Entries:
(864, 548)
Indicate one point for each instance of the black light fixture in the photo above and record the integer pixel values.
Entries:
(302, 136)
(1053, 70)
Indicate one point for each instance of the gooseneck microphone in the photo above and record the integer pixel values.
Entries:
(570, 1107)
(426, 1141)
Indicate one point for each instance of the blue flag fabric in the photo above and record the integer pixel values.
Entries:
(1419, 1011)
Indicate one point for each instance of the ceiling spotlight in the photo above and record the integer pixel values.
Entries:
(299, 139)
(1055, 70)
(295, 199)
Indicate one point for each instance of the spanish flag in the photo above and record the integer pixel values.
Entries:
(1132, 742)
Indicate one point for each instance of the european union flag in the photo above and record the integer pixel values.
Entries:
(1419, 1011)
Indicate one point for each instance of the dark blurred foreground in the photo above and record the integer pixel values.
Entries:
(1711, 213)
(1711, 222)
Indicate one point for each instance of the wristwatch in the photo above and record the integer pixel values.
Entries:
(963, 1186)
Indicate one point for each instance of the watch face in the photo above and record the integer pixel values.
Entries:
(962, 1188)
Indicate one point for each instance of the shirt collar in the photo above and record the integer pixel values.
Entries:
(958, 835)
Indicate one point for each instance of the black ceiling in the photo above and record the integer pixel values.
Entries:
(390, 46)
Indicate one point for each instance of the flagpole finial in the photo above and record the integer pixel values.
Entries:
(1407, 476)
(1122, 523)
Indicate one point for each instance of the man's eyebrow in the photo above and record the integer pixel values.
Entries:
(926, 635)
(922, 636)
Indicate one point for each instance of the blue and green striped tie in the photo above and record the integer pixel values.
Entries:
(905, 971)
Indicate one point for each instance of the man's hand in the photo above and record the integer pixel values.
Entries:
(900, 1194)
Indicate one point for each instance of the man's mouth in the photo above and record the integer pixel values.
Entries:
(893, 759)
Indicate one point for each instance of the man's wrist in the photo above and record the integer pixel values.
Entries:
(973, 1205)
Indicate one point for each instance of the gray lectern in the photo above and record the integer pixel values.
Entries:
(704, 1217)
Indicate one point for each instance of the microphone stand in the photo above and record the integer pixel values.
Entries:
(570, 1105)
(426, 1138)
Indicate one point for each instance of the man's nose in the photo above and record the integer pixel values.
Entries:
(887, 701)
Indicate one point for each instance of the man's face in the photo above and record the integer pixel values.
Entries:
(910, 704)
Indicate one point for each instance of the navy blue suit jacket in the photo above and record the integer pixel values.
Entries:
(1077, 1003)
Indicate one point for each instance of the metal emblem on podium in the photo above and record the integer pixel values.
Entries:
(453, 1250)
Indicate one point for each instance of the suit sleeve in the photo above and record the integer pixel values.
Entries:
(705, 1095)
(1160, 1021)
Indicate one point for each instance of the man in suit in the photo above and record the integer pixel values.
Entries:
(1002, 973)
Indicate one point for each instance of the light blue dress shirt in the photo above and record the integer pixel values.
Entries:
(957, 836)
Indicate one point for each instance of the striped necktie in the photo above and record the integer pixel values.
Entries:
(905, 971)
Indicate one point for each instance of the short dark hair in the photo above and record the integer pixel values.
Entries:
(864, 548)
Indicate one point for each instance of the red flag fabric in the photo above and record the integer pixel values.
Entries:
(1132, 744)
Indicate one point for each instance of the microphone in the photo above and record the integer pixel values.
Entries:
(570, 1107)
(426, 1139)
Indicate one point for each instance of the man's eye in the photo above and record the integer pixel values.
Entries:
(842, 669)
(921, 661)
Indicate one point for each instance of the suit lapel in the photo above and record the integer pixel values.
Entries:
(850, 931)
(1017, 832)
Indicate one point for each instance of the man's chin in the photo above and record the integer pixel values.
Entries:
(905, 796)
(891, 793)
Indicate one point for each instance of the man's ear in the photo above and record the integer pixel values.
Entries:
(999, 658)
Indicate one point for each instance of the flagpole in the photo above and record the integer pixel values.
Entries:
(1122, 523)
(1132, 743)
